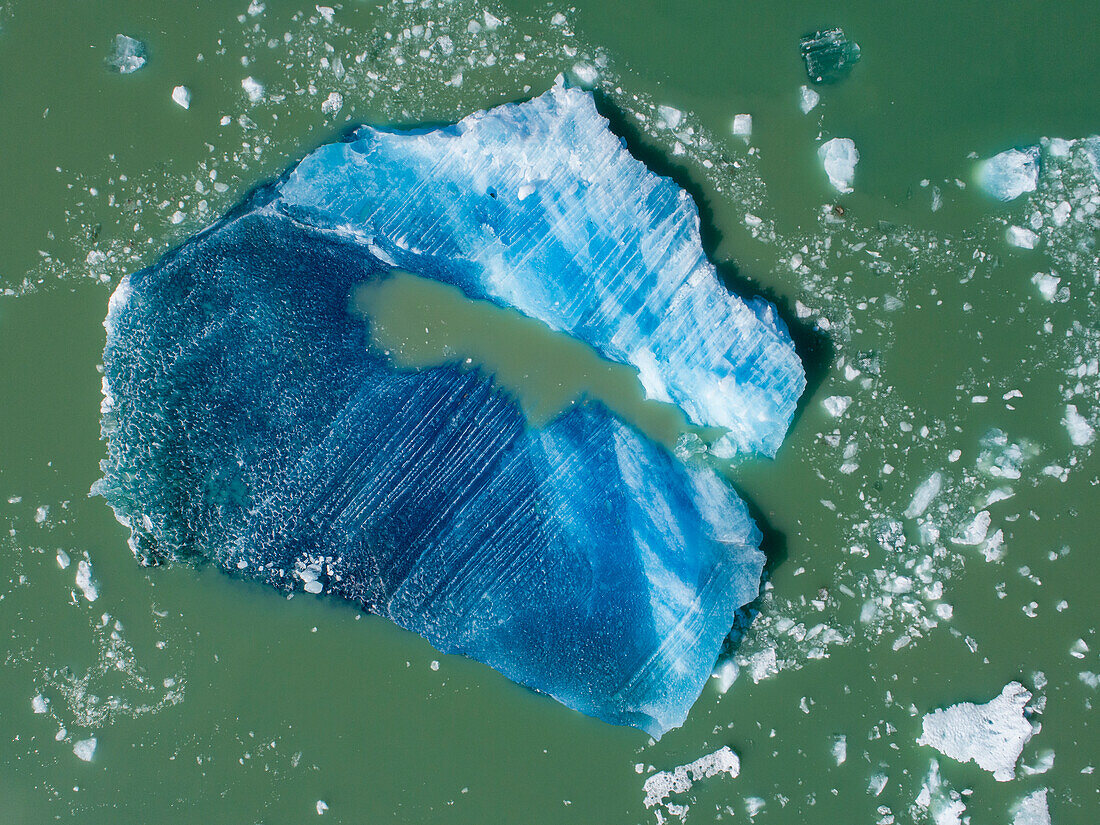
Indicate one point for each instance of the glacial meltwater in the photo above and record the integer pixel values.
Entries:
(542, 414)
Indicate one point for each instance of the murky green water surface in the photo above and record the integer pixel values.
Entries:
(216, 700)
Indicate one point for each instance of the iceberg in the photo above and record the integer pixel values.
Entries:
(829, 55)
(251, 422)
(538, 206)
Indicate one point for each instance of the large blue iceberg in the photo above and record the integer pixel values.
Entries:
(251, 423)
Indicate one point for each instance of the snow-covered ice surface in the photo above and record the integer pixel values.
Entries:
(993, 735)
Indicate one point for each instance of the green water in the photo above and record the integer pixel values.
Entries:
(214, 700)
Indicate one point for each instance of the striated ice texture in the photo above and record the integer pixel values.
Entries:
(539, 206)
(829, 55)
(1010, 174)
(251, 424)
(127, 54)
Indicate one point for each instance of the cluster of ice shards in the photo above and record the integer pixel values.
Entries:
(829, 55)
(539, 206)
(250, 422)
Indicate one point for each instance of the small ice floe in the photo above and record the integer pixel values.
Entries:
(252, 87)
(839, 156)
(41, 513)
(1047, 283)
(181, 95)
(943, 804)
(975, 532)
(127, 55)
(725, 675)
(993, 735)
(1078, 427)
(322, 806)
(742, 126)
(85, 749)
(40, 704)
(1021, 236)
(663, 784)
(835, 405)
(669, 116)
(840, 749)
(63, 559)
(85, 581)
(807, 99)
(1010, 174)
(1032, 809)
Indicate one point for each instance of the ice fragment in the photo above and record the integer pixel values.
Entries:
(1032, 809)
(829, 55)
(807, 99)
(1010, 174)
(993, 735)
(127, 54)
(85, 749)
(839, 156)
(182, 96)
(663, 784)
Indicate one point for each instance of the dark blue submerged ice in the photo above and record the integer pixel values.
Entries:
(251, 424)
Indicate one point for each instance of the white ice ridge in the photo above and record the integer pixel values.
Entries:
(540, 207)
(993, 734)
(663, 784)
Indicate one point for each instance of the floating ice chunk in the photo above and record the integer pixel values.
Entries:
(975, 532)
(127, 54)
(877, 784)
(1044, 762)
(1047, 283)
(807, 99)
(835, 405)
(829, 55)
(585, 73)
(252, 87)
(605, 250)
(182, 96)
(762, 665)
(726, 674)
(742, 126)
(1010, 174)
(660, 786)
(839, 156)
(41, 513)
(1021, 236)
(1032, 809)
(39, 704)
(928, 490)
(840, 749)
(332, 104)
(1078, 427)
(63, 559)
(426, 496)
(993, 735)
(944, 804)
(85, 749)
(322, 807)
(669, 116)
(85, 582)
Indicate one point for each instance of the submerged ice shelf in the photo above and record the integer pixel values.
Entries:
(251, 422)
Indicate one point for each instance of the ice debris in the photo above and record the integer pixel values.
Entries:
(251, 422)
(1021, 236)
(127, 54)
(839, 156)
(941, 802)
(993, 735)
(660, 786)
(829, 55)
(39, 703)
(928, 490)
(1010, 174)
(85, 581)
(539, 206)
(742, 126)
(1078, 427)
(1032, 809)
